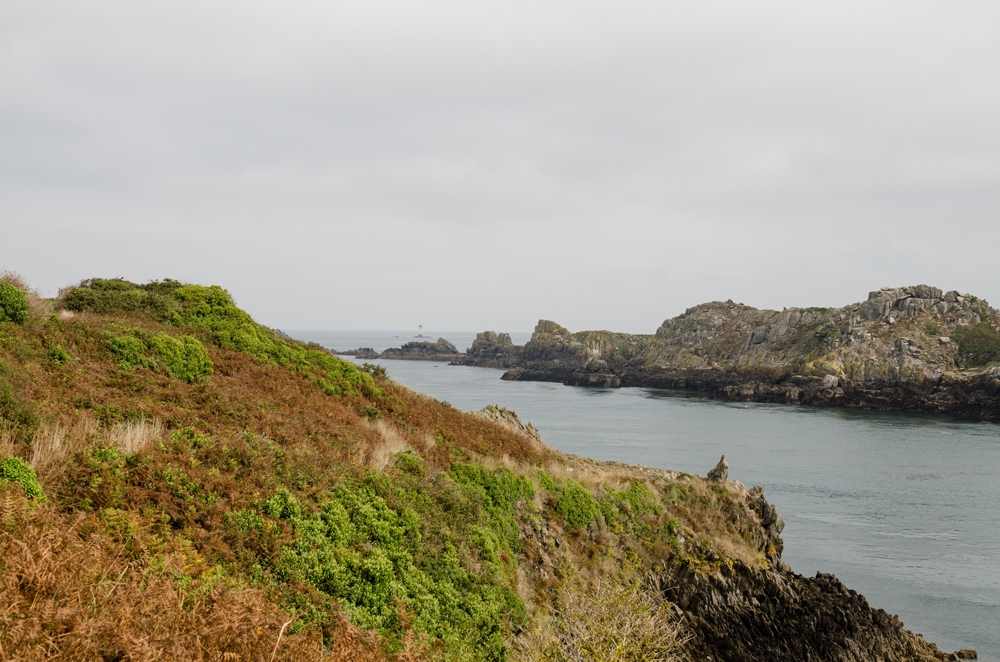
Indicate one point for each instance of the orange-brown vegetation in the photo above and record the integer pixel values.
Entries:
(270, 511)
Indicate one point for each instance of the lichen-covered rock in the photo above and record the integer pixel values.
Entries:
(720, 474)
(508, 419)
(588, 358)
(492, 350)
(910, 348)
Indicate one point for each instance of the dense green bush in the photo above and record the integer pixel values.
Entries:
(184, 358)
(17, 471)
(499, 490)
(58, 355)
(129, 350)
(17, 413)
(13, 304)
(211, 310)
(116, 295)
(577, 506)
(978, 344)
(364, 554)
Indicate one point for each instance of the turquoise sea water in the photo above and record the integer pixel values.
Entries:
(904, 508)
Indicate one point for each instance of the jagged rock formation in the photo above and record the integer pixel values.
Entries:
(912, 348)
(720, 474)
(361, 353)
(442, 350)
(741, 615)
(492, 350)
(508, 419)
(589, 358)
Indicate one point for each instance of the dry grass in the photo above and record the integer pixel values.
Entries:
(53, 444)
(392, 441)
(134, 436)
(8, 444)
(68, 592)
(610, 622)
(75, 588)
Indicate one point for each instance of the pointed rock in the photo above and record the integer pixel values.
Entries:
(720, 474)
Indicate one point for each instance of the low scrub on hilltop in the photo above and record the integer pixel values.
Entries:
(179, 482)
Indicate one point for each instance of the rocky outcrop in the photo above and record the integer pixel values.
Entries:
(742, 614)
(720, 474)
(911, 348)
(589, 358)
(735, 611)
(492, 350)
(508, 419)
(739, 614)
(361, 353)
(442, 350)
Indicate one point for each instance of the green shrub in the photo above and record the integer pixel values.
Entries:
(184, 358)
(374, 370)
(978, 344)
(13, 304)
(16, 410)
(499, 490)
(211, 310)
(577, 506)
(129, 350)
(58, 355)
(546, 481)
(116, 295)
(17, 471)
(362, 553)
(931, 329)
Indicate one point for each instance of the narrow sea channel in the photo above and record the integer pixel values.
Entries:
(904, 508)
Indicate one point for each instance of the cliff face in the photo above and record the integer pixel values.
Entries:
(913, 348)
(589, 358)
(490, 350)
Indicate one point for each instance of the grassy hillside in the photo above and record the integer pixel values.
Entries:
(178, 482)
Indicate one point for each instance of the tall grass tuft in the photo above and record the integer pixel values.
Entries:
(611, 622)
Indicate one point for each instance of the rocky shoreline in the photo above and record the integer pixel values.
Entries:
(910, 348)
(738, 613)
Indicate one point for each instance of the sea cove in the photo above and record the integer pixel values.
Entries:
(901, 507)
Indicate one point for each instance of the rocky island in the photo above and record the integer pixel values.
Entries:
(907, 348)
(442, 350)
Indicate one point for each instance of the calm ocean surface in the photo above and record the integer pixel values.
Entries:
(904, 508)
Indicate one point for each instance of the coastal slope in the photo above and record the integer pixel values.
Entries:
(179, 482)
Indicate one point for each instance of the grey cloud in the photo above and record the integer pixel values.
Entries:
(604, 165)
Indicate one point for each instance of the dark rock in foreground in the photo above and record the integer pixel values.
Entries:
(742, 615)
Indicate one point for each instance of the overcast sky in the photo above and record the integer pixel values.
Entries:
(469, 165)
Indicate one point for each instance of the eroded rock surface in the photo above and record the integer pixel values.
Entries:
(492, 350)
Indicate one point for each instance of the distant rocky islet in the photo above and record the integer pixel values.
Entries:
(911, 348)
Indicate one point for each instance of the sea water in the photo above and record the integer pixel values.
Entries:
(904, 508)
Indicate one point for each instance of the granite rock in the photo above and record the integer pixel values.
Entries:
(720, 474)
